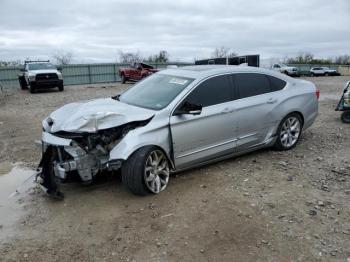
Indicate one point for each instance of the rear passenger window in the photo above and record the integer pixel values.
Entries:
(250, 84)
(215, 90)
(276, 83)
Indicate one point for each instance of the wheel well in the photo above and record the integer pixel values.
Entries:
(158, 147)
(167, 156)
(300, 114)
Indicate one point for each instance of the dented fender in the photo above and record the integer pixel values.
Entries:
(154, 134)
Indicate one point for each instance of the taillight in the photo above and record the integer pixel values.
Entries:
(317, 93)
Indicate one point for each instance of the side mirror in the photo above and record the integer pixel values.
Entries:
(188, 109)
(139, 68)
(59, 68)
(22, 69)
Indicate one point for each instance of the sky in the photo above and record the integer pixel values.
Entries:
(97, 30)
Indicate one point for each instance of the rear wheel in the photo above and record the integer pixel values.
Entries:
(289, 132)
(345, 117)
(123, 79)
(146, 171)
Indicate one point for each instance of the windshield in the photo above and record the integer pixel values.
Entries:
(156, 91)
(40, 66)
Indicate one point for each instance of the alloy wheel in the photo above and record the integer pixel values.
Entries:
(290, 131)
(157, 171)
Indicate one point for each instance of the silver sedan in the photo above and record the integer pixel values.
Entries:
(174, 120)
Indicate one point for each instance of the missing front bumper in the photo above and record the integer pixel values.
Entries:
(61, 157)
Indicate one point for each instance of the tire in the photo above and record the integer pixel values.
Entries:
(60, 88)
(345, 117)
(49, 180)
(326, 74)
(123, 79)
(32, 90)
(287, 137)
(22, 83)
(312, 74)
(137, 171)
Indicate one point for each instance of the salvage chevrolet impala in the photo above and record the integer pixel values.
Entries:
(174, 120)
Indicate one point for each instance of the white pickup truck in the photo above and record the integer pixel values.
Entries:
(40, 74)
(284, 69)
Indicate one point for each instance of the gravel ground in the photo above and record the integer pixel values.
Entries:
(264, 206)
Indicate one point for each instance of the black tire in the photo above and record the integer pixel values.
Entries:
(345, 117)
(312, 74)
(32, 90)
(22, 83)
(123, 79)
(133, 171)
(49, 180)
(326, 74)
(60, 88)
(279, 145)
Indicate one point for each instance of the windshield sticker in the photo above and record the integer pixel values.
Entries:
(178, 81)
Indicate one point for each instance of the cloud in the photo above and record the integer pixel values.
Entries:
(96, 30)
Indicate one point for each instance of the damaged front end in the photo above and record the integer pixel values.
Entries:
(65, 154)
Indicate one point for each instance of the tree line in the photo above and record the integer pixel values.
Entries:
(163, 56)
(309, 58)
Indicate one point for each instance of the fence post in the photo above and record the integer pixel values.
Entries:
(89, 71)
(115, 72)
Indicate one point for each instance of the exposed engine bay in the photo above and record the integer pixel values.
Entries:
(83, 154)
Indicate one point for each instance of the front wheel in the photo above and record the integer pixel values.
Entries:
(146, 171)
(289, 132)
(32, 89)
(345, 117)
(60, 88)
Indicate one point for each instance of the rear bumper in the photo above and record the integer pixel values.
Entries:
(47, 84)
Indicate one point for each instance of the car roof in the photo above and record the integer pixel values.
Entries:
(204, 71)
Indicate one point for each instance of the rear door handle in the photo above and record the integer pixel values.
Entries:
(272, 101)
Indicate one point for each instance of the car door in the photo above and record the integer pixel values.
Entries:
(255, 108)
(198, 138)
(133, 71)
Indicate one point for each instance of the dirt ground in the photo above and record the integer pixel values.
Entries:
(264, 206)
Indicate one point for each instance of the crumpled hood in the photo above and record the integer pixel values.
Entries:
(94, 115)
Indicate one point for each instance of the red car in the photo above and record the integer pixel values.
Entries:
(136, 72)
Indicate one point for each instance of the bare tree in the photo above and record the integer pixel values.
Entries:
(221, 52)
(63, 58)
(10, 63)
(162, 57)
(342, 60)
(129, 57)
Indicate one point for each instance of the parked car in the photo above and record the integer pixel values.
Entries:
(174, 120)
(136, 72)
(323, 71)
(40, 74)
(284, 69)
(344, 104)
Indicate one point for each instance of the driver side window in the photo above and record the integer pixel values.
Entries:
(213, 91)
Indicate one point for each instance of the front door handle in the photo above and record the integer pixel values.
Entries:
(272, 101)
